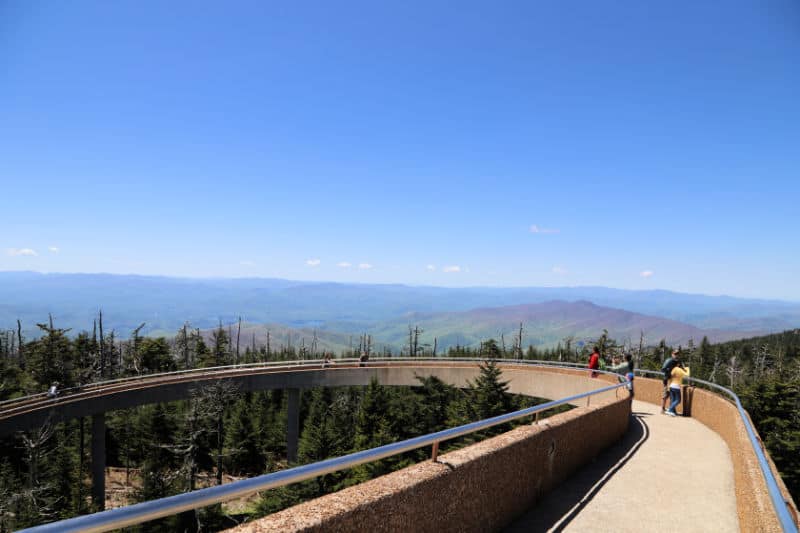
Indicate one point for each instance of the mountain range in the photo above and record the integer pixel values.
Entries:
(453, 315)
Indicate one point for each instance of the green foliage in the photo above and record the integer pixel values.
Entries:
(50, 358)
(775, 409)
(218, 429)
(219, 354)
(490, 394)
(241, 441)
(155, 355)
(158, 458)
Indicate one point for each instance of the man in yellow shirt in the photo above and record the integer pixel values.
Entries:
(676, 378)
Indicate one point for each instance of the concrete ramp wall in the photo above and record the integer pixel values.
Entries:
(532, 381)
(482, 487)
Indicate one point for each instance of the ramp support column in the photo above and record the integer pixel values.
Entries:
(99, 461)
(293, 425)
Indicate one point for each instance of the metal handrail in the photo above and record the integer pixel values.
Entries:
(72, 393)
(8, 406)
(172, 505)
(201, 370)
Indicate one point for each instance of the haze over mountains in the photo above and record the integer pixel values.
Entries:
(336, 310)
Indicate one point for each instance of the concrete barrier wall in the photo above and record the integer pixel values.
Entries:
(532, 381)
(482, 487)
(753, 503)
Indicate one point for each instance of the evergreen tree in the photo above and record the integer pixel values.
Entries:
(159, 463)
(434, 397)
(155, 356)
(490, 394)
(220, 350)
(51, 358)
(241, 440)
(704, 357)
(373, 428)
(320, 438)
(775, 409)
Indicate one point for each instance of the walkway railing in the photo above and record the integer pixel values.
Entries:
(14, 406)
(172, 505)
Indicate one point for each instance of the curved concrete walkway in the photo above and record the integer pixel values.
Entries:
(667, 474)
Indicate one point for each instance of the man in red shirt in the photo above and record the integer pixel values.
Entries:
(594, 361)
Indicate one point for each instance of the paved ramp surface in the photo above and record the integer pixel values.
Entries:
(667, 474)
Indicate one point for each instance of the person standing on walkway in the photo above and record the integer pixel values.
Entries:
(594, 362)
(629, 373)
(676, 379)
(666, 368)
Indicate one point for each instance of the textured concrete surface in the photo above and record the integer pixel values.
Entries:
(754, 506)
(667, 474)
(477, 488)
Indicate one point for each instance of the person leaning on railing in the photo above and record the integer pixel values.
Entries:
(626, 368)
(676, 379)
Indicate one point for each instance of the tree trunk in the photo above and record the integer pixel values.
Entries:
(238, 335)
(20, 346)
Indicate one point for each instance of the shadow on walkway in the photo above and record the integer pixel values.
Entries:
(562, 505)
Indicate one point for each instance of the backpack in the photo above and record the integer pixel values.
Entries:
(667, 369)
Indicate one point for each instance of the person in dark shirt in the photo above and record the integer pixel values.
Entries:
(666, 368)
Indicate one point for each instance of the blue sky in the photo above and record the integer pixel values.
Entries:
(626, 144)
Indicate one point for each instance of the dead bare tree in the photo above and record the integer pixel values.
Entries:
(34, 495)
(185, 345)
(410, 341)
(733, 371)
(20, 346)
(238, 335)
(518, 343)
(215, 397)
(133, 356)
(641, 348)
(102, 346)
(761, 359)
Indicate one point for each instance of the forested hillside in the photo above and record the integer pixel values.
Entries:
(222, 433)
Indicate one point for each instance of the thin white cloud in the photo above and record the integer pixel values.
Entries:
(430, 268)
(559, 270)
(364, 266)
(344, 264)
(17, 252)
(247, 263)
(646, 273)
(313, 262)
(536, 229)
(54, 249)
(451, 268)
